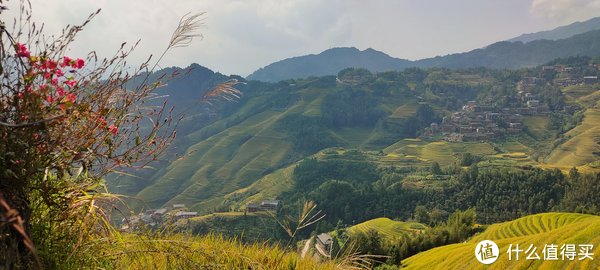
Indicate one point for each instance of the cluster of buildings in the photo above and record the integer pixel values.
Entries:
(476, 122)
(154, 217)
(565, 76)
(265, 205)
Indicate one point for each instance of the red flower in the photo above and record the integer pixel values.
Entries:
(71, 82)
(79, 63)
(58, 72)
(22, 50)
(102, 121)
(66, 61)
(49, 64)
(60, 92)
(50, 99)
(55, 81)
(71, 98)
(52, 64)
(113, 129)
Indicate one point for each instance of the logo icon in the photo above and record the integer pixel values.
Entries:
(487, 252)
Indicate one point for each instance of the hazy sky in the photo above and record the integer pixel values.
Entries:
(241, 36)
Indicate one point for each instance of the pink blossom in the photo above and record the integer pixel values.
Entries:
(71, 82)
(113, 129)
(71, 98)
(49, 64)
(58, 72)
(52, 64)
(66, 61)
(60, 91)
(22, 50)
(102, 121)
(79, 63)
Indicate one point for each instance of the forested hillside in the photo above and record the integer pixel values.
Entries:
(254, 149)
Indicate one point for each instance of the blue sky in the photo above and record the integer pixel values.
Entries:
(241, 36)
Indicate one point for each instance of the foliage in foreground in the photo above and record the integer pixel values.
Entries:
(83, 239)
(186, 252)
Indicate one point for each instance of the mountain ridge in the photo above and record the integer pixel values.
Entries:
(328, 62)
(560, 32)
(499, 55)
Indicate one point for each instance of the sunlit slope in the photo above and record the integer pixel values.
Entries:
(266, 188)
(389, 229)
(224, 161)
(202, 252)
(582, 144)
(540, 229)
(445, 153)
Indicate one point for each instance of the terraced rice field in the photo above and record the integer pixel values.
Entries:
(583, 144)
(514, 146)
(537, 126)
(537, 230)
(389, 229)
(578, 91)
(445, 153)
(405, 111)
(438, 151)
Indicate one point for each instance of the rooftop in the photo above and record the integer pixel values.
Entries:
(325, 238)
(182, 214)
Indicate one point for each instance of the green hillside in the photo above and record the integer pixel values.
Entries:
(581, 146)
(389, 229)
(540, 229)
(268, 187)
(249, 151)
(272, 128)
(443, 152)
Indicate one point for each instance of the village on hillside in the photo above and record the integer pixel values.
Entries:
(478, 122)
(153, 218)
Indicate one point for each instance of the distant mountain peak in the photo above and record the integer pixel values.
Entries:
(502, 54)
(328, 62)
(561, 32)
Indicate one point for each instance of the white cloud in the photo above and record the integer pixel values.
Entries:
(239, 35)
(242, 35)
(565, 10)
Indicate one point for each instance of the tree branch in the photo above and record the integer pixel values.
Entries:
(20, 125)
